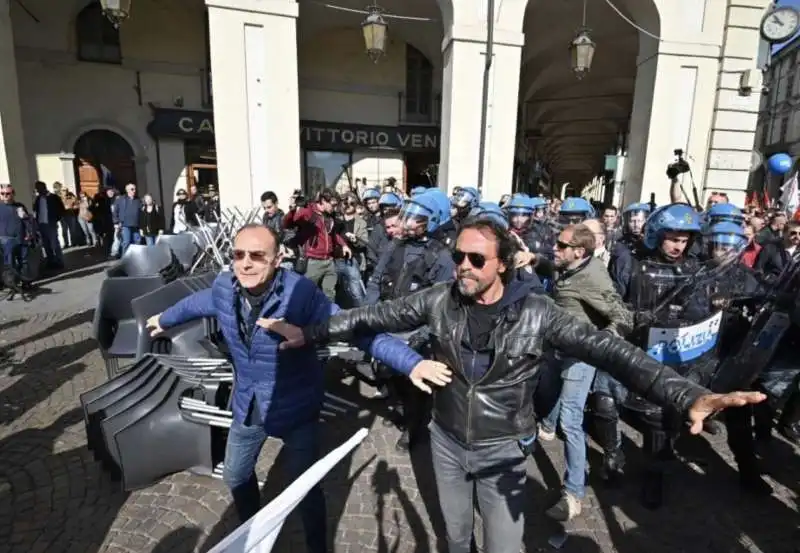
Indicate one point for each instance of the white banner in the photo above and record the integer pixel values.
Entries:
(789, 195)
(259, 534)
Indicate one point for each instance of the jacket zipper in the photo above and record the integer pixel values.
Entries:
(470, 392)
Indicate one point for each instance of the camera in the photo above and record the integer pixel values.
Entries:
(679, 167)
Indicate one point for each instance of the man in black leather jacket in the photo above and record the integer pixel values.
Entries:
(492, 334)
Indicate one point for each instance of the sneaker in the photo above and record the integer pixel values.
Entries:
(567, 508)
(546, 434)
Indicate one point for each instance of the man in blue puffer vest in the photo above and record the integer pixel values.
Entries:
(278, 392)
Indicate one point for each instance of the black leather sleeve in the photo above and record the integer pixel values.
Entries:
(400, 315)
(630, 365)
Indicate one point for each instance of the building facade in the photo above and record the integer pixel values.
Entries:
(778, 129)
(255, 95)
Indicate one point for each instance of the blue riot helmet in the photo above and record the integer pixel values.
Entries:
(725, 241)
(423, 214)
(520, 210)
(465, 199)
(390, 204)
(676, 218)
(370, 194)
(540, 207)
(634, 217)
(574, 211)
(417, 190)
(442, 203)
(719, 213)
(491, 211)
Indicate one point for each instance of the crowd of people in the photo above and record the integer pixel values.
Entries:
(111, 221)
(508, 322)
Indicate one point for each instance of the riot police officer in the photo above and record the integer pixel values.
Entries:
(662, 294)
(535, 235)
(371, 198)
(735, 287)
(574, 211)
(628, 244)
(388, 205)
(416, 261)
(465, 200)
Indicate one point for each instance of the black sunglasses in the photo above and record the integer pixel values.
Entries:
(255, 256)
(563, 245)
(477, 260)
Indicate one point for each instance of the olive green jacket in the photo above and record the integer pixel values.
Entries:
(588, 293)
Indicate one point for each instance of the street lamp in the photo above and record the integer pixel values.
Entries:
(581, 52)
(116, 11)
(374, 28)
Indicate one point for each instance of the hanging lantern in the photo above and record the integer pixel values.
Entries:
(582, 53)
(374, 28)
(116, 11)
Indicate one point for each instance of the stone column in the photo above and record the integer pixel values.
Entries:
(735, 116)
(253, 46)
(462, 90)
(14, 167)
(672, 109)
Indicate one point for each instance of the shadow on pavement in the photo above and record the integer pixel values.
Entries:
(60, 326)
(42, 374)
(58, 503)
(704, 510)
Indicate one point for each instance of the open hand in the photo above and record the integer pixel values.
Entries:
(523, 259)
(293, 334)
(154, 324)
(430, 371)
(708, 404)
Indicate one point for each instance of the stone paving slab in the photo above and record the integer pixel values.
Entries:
(55, 498)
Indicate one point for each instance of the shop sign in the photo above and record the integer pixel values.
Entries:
(336, 136)
(314, 135)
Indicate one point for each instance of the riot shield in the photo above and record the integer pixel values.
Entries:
(676, 322)
(772, 319)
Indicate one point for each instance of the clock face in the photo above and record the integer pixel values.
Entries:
(781, 24)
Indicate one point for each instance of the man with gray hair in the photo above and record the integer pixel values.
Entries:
(584, 289)
(599, 231)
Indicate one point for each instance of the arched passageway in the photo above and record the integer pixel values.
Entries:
(103, 158)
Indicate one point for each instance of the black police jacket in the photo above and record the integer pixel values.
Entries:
(499, 405)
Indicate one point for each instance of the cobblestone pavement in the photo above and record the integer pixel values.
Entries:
(54, 498)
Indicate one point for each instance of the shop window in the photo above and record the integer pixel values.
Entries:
(419, 86)
(98, 40)
(326, 170)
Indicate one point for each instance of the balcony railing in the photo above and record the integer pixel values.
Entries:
(422, 113)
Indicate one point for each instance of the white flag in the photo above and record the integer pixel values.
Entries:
(259, 534)
(789, 195)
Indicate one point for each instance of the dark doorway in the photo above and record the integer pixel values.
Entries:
(103, 158)
(417, 167)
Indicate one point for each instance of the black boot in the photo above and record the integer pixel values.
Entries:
(613, 457)
(404, 442)
(789, 423)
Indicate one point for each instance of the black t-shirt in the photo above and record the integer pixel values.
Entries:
(481, 321)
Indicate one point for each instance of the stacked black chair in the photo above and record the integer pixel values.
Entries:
(183, 245)
(143, 269)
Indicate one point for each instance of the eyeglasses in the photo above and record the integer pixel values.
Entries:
(477, 260)
(563, 245)
(255, 256)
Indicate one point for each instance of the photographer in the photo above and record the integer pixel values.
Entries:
(317, 239)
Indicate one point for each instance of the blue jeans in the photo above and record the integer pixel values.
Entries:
(576, 383)
(130, 235)
(10, 246)
(150, 240)
(352, 284)
(52, 247)
(496, 474)
(302, 445)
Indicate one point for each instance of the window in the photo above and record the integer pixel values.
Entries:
(98, 40)
(419, 86)
(325, 170)
(784, 127)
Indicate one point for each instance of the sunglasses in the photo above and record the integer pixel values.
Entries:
(563, 245)
(477, 260)
(255, 256)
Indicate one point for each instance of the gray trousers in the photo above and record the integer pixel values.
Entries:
(323, 273)
(497, 475)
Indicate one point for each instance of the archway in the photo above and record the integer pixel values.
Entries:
(103, 158)
(573, 124)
